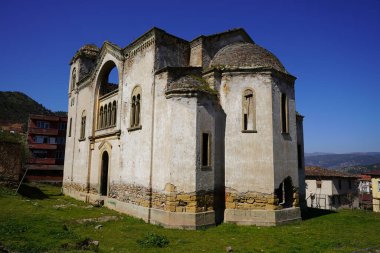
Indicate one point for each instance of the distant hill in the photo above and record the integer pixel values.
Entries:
(318, 153)
(15, 107)
(360, 169)
(342, 160)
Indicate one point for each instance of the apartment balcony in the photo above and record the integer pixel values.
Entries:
(44, 146)
(43, 131)
(49, 161)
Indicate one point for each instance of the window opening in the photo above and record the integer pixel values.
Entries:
(249, 111)
(284, 113)
(83, 126)
(136, 107)
(205, 149)
(70, 127)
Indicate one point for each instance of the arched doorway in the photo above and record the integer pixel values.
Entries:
(285, 193)
(104, 174)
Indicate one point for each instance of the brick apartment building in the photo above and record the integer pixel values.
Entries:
(46, 142)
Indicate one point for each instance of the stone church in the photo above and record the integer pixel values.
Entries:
(192, 134)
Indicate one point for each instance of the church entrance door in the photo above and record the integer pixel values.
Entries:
(104, 174)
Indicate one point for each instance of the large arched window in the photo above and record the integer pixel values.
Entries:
(73, 79)
(108, 87)
(109, 79)
(249, 111)
(83, 126)
(136, 107)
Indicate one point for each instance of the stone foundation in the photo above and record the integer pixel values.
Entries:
(251, 200)
(254, 208)
(169, 200)
(170, 208)
(191, 210)
(262, 217)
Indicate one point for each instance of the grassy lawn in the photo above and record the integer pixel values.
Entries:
(43, 220)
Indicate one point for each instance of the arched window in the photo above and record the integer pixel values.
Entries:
(73, 79)
(100, 118)
(83, 126)
(136, 107)
(104, 120)
(114, 114)
(109, 79)
(249, 111)
(109, 114)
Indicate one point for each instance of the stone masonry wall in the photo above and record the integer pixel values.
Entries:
(80, 187)
(251, 200)
(169, 200)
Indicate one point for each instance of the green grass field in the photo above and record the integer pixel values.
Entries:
(43, 220)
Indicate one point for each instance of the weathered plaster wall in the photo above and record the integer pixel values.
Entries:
(285, 151)
(135, 146)
(174, 142)
(248, 156)
(205, 123)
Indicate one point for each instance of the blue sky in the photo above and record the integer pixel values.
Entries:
(332, 47)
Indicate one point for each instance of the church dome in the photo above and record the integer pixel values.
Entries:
(189, 83)
(186, 82)
(89, 50)
(246, 55)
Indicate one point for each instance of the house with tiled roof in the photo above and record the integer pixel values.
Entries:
(375, 181)
(330, 189)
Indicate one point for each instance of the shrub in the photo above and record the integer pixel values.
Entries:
(153, 240)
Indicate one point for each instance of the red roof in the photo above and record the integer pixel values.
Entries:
(364, 177)
(374, 173)
(314, 171)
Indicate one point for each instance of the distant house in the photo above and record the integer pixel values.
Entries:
(46, 142)
(375, 180)
(365, 191)
(329, 189)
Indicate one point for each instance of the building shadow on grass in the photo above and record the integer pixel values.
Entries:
(31, 192)
(311, 213)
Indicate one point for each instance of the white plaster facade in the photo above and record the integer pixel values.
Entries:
(163, 169)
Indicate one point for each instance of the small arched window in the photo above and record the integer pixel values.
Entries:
(83, 126)
(249, 111)
(114, 114)
(100, 118)
(104, 120)
(136, 107)
(73, 79)
(284, 113)
(109, 115)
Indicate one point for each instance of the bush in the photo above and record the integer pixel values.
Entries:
(153, 240)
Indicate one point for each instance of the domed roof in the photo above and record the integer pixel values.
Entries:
(189, 83)
(186, 82)
(246, 55)
(89, 50)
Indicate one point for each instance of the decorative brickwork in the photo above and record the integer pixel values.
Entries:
(169, 200)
